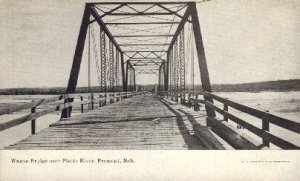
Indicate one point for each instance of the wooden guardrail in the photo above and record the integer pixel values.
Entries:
(183, 96)
(59, 102)
(266, 118)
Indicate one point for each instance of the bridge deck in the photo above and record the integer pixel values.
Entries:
(142, 122)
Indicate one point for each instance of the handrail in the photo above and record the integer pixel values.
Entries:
(63, 102)
(259, 132)
(279, 121)
(182, 92)
(266, 118)
(15, 108)
(29, 117)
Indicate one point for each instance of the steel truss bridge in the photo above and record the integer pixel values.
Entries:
(127, 39)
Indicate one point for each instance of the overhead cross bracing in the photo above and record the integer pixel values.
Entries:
(160, 38)
(143, 31)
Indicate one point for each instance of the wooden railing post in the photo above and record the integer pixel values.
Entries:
(104, 101)
(100, 101)
(225, 109)
(81, 106)
(66, 102)
(92, 101)
(112, 97)
(266, 127)
(173, 96)
(196, 104)
(33, 121)
(182, 98)
(190, 103)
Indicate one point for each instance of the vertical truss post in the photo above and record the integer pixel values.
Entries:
(134, 86)
(182, 67)
(111, 66)
(160, 75)
(131, 73)
(123, 73)
(176, 77)
(73, 78)
(159, 82)
(127, 72)
(166, 81)
(103, 63)
(130, 78)
(171, 89)
(89, 60)
(201, 58)
(163, 76)
(89, 69)
(117, 70)
(103, 60)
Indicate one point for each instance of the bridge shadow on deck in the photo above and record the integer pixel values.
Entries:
(191, 140)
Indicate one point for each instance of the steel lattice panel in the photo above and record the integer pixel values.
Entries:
(103, 60)
(117, 69)
(111, 66)
(171, 69)
(182, 61)
(176, 67)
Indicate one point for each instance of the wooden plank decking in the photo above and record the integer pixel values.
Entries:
(141, 122)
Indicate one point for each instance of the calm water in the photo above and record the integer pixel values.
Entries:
(283, 104)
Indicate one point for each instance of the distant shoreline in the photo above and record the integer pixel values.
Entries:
(272, 86)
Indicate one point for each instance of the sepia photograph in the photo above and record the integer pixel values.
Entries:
(139, 78)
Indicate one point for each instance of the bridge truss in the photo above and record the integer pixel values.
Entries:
(141, 38)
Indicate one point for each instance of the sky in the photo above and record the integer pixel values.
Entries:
(244, 41)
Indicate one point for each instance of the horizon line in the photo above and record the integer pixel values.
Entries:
(157, 84)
